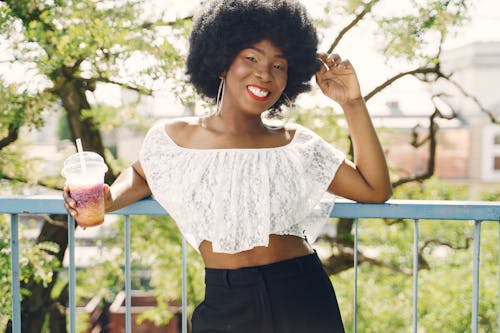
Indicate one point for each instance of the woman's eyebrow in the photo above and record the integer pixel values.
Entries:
(277, 55)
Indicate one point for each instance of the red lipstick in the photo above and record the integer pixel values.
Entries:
(257, 93)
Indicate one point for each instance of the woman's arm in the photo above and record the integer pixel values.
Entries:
(367, 179)
(130, 186)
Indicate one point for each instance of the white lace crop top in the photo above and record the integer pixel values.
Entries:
(236, 198)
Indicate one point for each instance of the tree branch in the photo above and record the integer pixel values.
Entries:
(416, 142)
(343, 257)
(362, 258)
(421, 259)
(423, 72)
(140, 90)
(49, 220)
(420, 70)
(433, 129)
(457, 85)
(353, 23)
(12, 135)
(438, 241)
(344, 260)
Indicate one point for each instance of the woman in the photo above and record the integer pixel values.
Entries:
(246, 195)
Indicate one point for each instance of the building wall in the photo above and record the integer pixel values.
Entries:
(490, 167)
(451, 155)
(476, 67)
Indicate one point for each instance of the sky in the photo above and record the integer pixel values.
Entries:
(358, 46)
(372, 69)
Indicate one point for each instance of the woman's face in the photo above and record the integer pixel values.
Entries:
(256, 78)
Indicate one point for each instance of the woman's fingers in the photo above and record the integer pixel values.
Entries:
(334, 59)
(69, 203)
(322, 59)
(333, 62)
(70, 210)
(67, 198)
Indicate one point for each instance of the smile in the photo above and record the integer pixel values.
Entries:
(258, 93)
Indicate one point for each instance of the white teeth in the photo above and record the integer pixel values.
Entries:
(258, 92)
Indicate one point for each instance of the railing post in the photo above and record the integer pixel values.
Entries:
(184, 287)
(128, 283)
(475, 277)
(71, 274)
(15, 273)
(355, 316)
(415, 275)
(498, 270)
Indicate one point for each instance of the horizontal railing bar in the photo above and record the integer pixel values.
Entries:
(421, 209)
(414, 209)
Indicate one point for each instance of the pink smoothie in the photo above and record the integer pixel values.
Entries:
(89, 202)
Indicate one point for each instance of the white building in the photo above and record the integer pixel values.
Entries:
(476, 67)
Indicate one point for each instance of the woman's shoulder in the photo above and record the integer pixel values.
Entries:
(168, 134)
(182, 122)
(302, 132)
(179, 129)
(173, 127)
(177, 123)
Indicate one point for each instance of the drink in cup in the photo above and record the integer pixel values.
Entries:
(84, 173)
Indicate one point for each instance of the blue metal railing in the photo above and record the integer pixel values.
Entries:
(396, 209)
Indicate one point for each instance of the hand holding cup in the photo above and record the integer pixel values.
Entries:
(84, 192)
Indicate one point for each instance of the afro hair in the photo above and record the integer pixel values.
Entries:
(222, 28)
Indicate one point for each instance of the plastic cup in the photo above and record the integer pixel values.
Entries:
(86, 186)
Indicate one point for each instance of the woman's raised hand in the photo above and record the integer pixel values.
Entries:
(337, 79)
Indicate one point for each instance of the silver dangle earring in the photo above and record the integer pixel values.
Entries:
(220, 96)
(218, 102)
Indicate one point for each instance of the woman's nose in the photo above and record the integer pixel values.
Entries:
(263, 73)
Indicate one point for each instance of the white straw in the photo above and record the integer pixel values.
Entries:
(79, 148)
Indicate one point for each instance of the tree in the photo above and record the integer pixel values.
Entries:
(415, 40)
(74, 45)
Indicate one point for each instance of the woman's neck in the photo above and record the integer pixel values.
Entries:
(236, 123)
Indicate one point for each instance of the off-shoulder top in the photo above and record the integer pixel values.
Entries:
(235, 198)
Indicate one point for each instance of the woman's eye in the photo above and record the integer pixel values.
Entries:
(250, 58)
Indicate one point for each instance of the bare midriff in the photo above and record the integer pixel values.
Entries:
(281, 247)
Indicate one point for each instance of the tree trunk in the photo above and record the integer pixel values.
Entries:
(344, 232)
(12, 135)
(74, 100)
(36, 307)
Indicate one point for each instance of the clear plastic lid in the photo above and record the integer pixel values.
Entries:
(93, 163)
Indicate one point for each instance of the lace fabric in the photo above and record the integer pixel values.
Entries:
(236, 198)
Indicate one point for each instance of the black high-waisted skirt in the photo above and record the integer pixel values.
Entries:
(291, 296)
